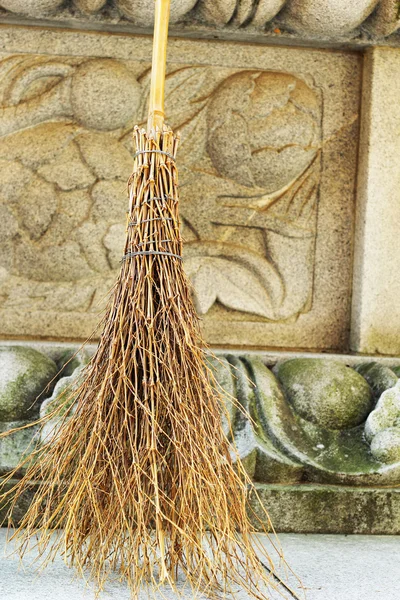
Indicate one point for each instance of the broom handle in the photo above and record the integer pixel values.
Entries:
(156, 106)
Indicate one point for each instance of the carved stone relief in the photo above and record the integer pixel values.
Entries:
(250, 176)
(327, 19)
(312, 419)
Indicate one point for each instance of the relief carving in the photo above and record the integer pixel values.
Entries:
(249, 167)
(329, 19)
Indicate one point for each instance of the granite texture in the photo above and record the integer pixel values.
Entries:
(376, 310)
(280, 21)
(267, 220)
(382, 428)
(380, 377)
(331, 509)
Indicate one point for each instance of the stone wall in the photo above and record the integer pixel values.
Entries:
(289, 182)
(290, 232)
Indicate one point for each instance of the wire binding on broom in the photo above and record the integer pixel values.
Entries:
(153, 152)
(150, 252)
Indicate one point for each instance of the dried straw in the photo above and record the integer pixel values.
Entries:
(139, 479)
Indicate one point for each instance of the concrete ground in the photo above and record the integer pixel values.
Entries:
(332, 567)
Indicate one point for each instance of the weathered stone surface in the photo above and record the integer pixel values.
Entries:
(327, 18)
(141, 12)
(325, 392)
(63, 360)
(32, 8)
(385, 445)
(385, 19)
(104, 94)
(24, 375)
(274, 441)
(357, 22)
(15, 445)
(63, 394)
(382, 428)
(379, 377)
(263, 458)
(330, 456)
(267, 219)
(275, 120)
(311, 509)
(376, 290)
(89, 6)
(331, 509)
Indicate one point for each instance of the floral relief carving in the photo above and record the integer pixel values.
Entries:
(249, 179)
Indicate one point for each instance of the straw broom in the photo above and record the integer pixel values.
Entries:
(139, 477)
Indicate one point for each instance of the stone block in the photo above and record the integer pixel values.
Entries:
(267, 173)
(330, 509)
(306, 508)
(376, 290)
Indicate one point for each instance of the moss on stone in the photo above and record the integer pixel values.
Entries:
(325, 392)
(25, 374)
(379, 377)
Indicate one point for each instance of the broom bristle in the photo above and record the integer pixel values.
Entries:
(139, 478)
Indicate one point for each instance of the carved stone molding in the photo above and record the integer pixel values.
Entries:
(314, 420)
(364, 21)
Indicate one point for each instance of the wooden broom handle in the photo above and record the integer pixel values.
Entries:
(156, 105)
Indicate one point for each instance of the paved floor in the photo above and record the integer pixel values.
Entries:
(332, 567)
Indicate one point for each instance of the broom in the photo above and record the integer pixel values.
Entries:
(139, 477)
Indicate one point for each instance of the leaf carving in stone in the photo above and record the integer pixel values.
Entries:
(218, 279)
(252, 182)
(58, 115)
(234, 276)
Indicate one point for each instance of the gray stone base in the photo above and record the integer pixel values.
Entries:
(331, 509)
(311, 508)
